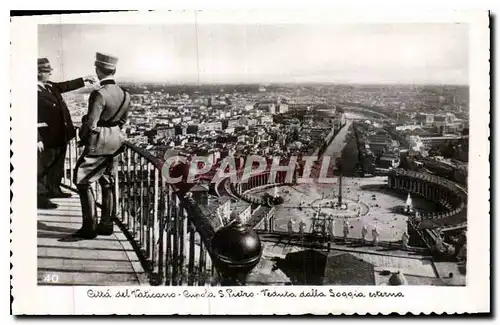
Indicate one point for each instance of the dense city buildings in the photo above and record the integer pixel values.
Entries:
(390, 147)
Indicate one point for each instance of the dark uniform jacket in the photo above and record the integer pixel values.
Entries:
(53, 112)
(101, 127)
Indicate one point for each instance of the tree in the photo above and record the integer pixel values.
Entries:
(449, 150)
(435, 151)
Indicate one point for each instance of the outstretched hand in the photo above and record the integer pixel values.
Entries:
(90, 79)
(40, 146)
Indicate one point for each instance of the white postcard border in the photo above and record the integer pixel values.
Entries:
(32, 299)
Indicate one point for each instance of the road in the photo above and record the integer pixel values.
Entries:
(335, 147)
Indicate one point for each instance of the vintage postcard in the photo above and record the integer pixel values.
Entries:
(250, 163)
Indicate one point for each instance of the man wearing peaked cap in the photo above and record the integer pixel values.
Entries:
(105, 61)
(55, 129)
(44, 65)
(103, 138)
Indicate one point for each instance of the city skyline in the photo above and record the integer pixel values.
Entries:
(256, 54)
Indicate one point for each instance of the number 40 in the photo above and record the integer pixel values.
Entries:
(51, 278)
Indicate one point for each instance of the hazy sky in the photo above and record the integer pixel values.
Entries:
(371, 53)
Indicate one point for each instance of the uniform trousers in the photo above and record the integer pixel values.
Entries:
(90, 169)
(50, 170)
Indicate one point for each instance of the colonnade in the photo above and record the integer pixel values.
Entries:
(432, 188)
(431, 191)
(257, 181)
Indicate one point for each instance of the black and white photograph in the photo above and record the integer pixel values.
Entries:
(283, 156)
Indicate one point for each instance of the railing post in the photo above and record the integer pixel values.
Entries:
(95, 188)
(202, 264)
(71, 166)
(117, 189)
(170, 213)
(123, 188)
(69, 146)
(212, 268)
(168, 235)
(127, 208)
(141, 198)
(191, 254)
(148, 209)
(183, 229)
(175, 248)
(135, 214)
(164, 225)
(157, 222)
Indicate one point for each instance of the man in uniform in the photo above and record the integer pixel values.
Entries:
(102, 137)
(55, 130)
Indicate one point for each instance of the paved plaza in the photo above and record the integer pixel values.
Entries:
(368, 202)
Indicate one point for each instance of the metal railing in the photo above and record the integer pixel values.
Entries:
(171, 246)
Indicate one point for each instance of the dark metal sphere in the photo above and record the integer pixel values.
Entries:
(236, 249)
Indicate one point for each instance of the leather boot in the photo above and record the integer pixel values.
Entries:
(45, 204)
(89, 213)
(105, 226)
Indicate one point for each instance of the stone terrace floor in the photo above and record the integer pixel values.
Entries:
(106, 260)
